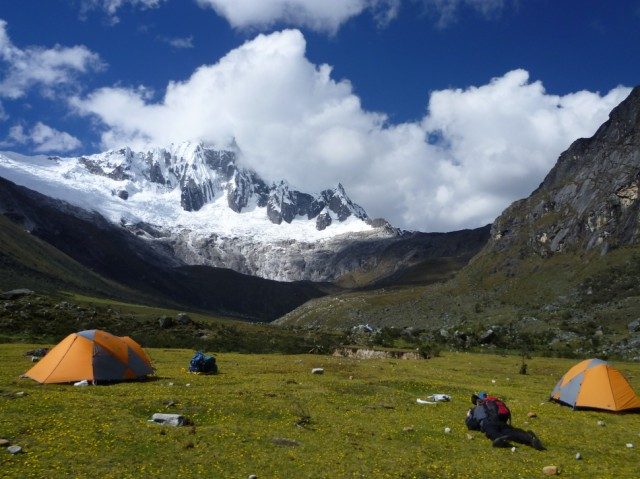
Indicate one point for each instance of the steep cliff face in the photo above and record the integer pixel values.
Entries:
(588, 201)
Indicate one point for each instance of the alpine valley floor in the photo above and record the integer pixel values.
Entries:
(359, 419)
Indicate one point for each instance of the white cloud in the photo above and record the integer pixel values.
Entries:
(42, 139)
(47, 68)
(488, 145)
(111, 7)
(447, 10)
(325, 15)
(179, 43)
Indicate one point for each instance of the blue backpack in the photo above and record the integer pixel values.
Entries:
(201, 363)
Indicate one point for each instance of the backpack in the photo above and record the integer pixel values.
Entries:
(201, 363)
(495, 407)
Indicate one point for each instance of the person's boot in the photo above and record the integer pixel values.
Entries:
(502, 441)
(536, 443)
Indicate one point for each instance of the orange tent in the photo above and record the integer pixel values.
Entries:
(93, 355)
(593, 383)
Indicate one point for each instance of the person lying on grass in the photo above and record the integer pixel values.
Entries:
(491, 416)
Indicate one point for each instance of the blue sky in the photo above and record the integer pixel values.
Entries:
(423, 87)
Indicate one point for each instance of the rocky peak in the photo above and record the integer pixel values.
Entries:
(589, 200)
(204, 174)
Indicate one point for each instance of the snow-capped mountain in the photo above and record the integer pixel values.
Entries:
(206, 207)
(188, 205)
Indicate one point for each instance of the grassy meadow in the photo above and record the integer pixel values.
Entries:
(268, 415)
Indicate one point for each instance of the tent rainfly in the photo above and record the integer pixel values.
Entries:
(93, 355)
(595, 384)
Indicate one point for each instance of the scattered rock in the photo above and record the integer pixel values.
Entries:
(470, 437)
(165, 322)
(447, 430)
(550, 470)
(123, 194)
(487, 336)
(601, 423)
(283, 441)
(513, 449)
(15, 293)
(183, 318)
(252, 476)
(408, 429)
(578, 456)
(20, 394)
(14, 449)
(531, 414)
(169, 419)
(4, 442)
(634, 326)
(630, 445)
(317, 371)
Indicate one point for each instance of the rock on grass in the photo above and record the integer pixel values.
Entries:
(283, 441)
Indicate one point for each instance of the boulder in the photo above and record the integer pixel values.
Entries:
(4, 442)
(165, 322)
(169, 419)
(183, 318)
(317, 371)
(14, 449)
(15, 293)
(634, 326)
(487, 336)
(550, 470)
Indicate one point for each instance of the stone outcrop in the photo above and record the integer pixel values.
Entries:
(589, 200)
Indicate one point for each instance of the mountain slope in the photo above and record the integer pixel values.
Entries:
(563, 263)
(203, 206)
(28, 262)
(116, 254)
(199, 206)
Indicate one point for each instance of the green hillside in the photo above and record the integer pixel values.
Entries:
(28, 262)
(531, 300)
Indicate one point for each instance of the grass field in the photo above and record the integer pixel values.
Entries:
(363, 421)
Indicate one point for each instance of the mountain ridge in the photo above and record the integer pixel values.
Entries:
(202, 208)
